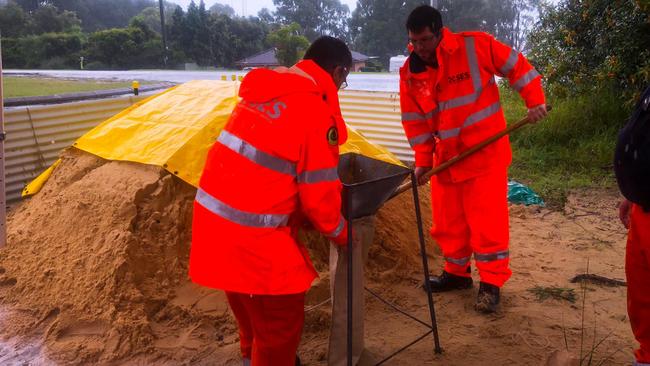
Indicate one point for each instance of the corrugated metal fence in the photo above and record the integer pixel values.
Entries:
(36, 134)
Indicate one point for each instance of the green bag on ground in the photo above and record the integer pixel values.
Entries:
(521, 194)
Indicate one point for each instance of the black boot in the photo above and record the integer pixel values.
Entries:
(449, 282)
(488, 298)
(298, 361)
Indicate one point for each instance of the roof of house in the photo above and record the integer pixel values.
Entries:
(267, 58)
(359, 57)
(259, 59)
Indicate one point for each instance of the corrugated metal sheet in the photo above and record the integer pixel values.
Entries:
(377, 116)
(37, 134)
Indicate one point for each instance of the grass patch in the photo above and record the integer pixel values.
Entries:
(30, 87)
(572, 148)
(556, 293)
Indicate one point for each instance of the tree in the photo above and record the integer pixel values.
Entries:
(47, 19)
(289, 44)
(248, 37)
(316, 17)
(13, 21)
(151, 15)
(497, 17)
(582, 45)
(265, 16)
(101, 14)
(122, 48)
(375, 31)
(226, 10)
(28, 5)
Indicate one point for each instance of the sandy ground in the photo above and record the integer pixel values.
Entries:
(95, 272)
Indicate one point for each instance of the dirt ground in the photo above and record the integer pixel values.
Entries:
(95, 272)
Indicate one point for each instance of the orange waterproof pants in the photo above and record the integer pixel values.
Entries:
(637, 271)
(471, 217)
(270, 327)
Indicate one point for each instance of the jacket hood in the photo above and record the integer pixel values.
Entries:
(262, 85)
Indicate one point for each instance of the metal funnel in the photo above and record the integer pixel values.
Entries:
(367, 183)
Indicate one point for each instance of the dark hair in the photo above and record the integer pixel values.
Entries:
(328, 53)
(424, 16)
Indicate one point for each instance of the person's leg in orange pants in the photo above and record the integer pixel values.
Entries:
(637, 270)
(450, 230)
(276, 322)
(244, 324)
(485, 203)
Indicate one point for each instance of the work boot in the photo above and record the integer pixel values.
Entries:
(449, 282)
(488, 298)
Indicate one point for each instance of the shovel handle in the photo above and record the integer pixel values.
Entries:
(524, 121)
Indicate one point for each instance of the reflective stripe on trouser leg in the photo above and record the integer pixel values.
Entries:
(637, 271)
(450, 230)
(485, 205)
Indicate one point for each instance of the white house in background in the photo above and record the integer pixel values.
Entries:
(396, 62)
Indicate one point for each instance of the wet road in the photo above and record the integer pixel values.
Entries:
(357, 81)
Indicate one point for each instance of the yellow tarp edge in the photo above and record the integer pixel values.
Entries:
(35, 186)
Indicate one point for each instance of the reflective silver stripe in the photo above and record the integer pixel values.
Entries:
(239, 217)
(339, 228)
(472, 59)
(489, 257)
(431, 113)
(475, 73)
(525, 80)
(458, 102)
(482, 114)
(412, 116)
(415, 116)
(247, 362)
(470, 120)
(458, 261)
(249, 151)
(636, 363)
(421, 139)
(445, 134)
(462, 101)
(510, 63)
(318, 176)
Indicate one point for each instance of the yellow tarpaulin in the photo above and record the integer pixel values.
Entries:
(176, 128)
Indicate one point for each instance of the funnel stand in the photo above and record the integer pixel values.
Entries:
(425, 265)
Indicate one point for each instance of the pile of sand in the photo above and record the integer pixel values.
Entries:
(96, 267)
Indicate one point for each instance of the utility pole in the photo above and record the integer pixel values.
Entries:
(162, 29)
(3, 191)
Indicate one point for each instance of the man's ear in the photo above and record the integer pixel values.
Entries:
(337, 74)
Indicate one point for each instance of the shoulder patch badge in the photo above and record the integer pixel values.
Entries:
(333, 136)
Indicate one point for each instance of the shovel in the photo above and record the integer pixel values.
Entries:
(524, 121)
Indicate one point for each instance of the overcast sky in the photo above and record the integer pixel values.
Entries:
(249, 7)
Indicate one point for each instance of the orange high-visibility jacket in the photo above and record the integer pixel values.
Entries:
(274, 163)
(452, 107)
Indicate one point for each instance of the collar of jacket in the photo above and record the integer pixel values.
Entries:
(448, 44)
(328, 89)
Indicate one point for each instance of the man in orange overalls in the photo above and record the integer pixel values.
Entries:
(274, 163)
(450, 102)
